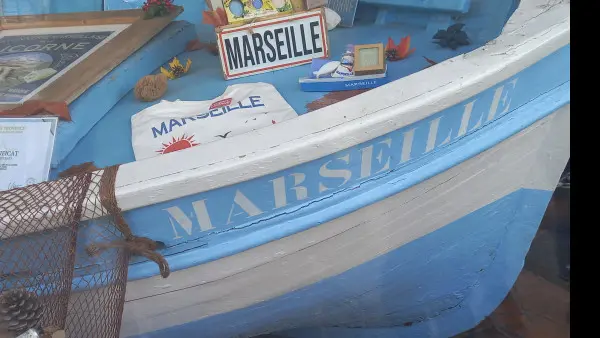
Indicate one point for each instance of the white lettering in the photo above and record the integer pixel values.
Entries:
(388, 143)
(14, 48)
(498, 97)
(32, 48)
(466, 118)
(301, 191)
(367, 159)
(432, 136)
(335, 173)
(48, 47)
(279, 192)
(243, 202)
(81, 45)
(202, 215)
(183, 221)
(407, 145)
(186, 223)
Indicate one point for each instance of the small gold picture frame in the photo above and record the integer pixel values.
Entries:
(369, 59)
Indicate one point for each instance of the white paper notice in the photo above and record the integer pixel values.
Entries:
(25, 150)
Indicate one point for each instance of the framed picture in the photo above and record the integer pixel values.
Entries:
(369, 59)
(57, 57)
(26, 146)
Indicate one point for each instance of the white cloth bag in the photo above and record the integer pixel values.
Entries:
(171, 126)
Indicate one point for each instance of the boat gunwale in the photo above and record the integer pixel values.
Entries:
(535, 30)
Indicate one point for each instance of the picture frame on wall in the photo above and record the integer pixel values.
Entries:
(57, 57)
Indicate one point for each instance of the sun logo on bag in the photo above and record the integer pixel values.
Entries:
(178, 144)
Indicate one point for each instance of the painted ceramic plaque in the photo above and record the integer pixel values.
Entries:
(244, 10)
(272, 44)
(30, 60)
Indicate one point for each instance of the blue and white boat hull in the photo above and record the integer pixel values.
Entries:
(419, 231)
(430, 261)
(405, 211)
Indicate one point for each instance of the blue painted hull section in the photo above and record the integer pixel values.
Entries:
(436, 286)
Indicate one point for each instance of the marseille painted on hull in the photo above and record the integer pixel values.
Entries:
(406, 211)
(209, 221)
(489, 154)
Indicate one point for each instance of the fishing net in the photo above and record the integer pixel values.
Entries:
(64, 253)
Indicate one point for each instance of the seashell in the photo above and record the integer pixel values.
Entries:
(332, 19)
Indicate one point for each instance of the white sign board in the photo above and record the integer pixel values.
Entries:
(273, 44)
(25, 150)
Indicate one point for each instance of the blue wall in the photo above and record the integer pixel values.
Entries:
(192, 8)
(28, 7)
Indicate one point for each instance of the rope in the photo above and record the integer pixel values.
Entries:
(140, 246)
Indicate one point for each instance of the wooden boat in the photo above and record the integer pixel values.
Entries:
(402, 211)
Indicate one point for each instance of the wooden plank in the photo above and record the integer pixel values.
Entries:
(90, 70)
(70, 19)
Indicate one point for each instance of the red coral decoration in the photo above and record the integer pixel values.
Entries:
(401, 51)
(216, 18)
(154, 8)
(36, 107)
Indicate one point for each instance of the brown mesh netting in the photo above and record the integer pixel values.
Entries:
(64, 252)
